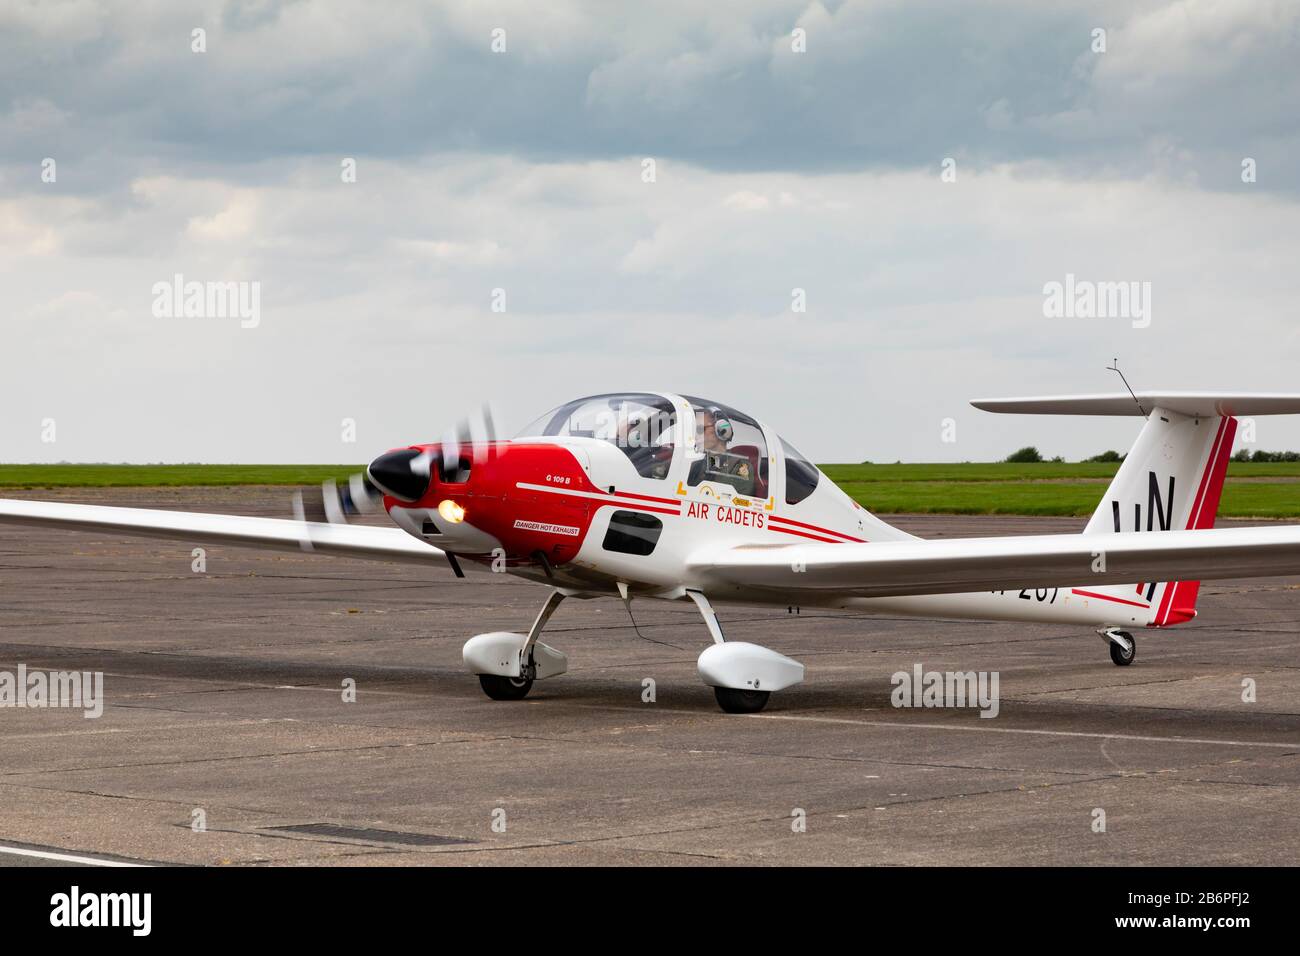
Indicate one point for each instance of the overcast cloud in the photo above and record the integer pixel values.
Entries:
(523, 171)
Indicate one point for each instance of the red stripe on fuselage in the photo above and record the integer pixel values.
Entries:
(604, 499)
(1107, 597)
(630, 494)
(805, 535)
(623, 504)
(813, 527)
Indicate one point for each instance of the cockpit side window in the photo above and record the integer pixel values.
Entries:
(639, 425)
(801, 475)
(731, 449)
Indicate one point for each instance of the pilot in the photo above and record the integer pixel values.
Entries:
(713, 434)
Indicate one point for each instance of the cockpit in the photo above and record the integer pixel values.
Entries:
(698, 441)
(642, 426)
(730, 449)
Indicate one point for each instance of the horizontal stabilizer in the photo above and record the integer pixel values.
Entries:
(1195, 404)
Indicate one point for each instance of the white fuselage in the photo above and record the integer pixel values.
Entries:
(706, 514)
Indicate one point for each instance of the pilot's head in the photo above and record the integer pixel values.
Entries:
(712, 431)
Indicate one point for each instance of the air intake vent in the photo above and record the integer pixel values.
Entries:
(631, 532)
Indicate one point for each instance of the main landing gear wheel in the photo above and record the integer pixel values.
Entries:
(735, 701)
(505, 688)
(1121, 657)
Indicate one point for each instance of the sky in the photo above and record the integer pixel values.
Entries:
(840, 218)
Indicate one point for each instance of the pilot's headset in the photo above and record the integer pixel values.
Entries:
(722, 426)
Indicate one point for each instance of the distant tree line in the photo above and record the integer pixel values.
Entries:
(1246, 455)
(1031, 454)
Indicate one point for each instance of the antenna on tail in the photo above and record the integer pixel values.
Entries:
(1114, 367)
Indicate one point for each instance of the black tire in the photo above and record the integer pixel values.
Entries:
(505, 688)
(735, 701)
(1117, 653)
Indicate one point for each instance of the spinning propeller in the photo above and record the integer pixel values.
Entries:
(404, 473)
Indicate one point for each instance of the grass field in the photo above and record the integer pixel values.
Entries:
(1263, 490)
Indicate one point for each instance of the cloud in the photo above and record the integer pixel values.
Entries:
(376, 302)
(776, 171)
(887, 84)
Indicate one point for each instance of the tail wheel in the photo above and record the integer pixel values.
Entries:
(505, 688)
(735, 701)
(1122, 657)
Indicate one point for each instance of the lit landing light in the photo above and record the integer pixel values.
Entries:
(450, 511)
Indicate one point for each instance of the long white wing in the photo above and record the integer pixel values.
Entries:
(895, 568)
(354, 541)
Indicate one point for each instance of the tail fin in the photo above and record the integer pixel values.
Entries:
(1171, 480)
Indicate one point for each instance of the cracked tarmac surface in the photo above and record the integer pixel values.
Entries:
(224, 696)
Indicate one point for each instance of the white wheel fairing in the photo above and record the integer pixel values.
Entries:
(499, 654)
(743, 666)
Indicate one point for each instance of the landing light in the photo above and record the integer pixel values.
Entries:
(451, 511)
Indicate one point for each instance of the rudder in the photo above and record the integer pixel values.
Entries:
(1172, 479)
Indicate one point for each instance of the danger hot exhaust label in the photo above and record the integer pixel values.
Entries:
(545, 528)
